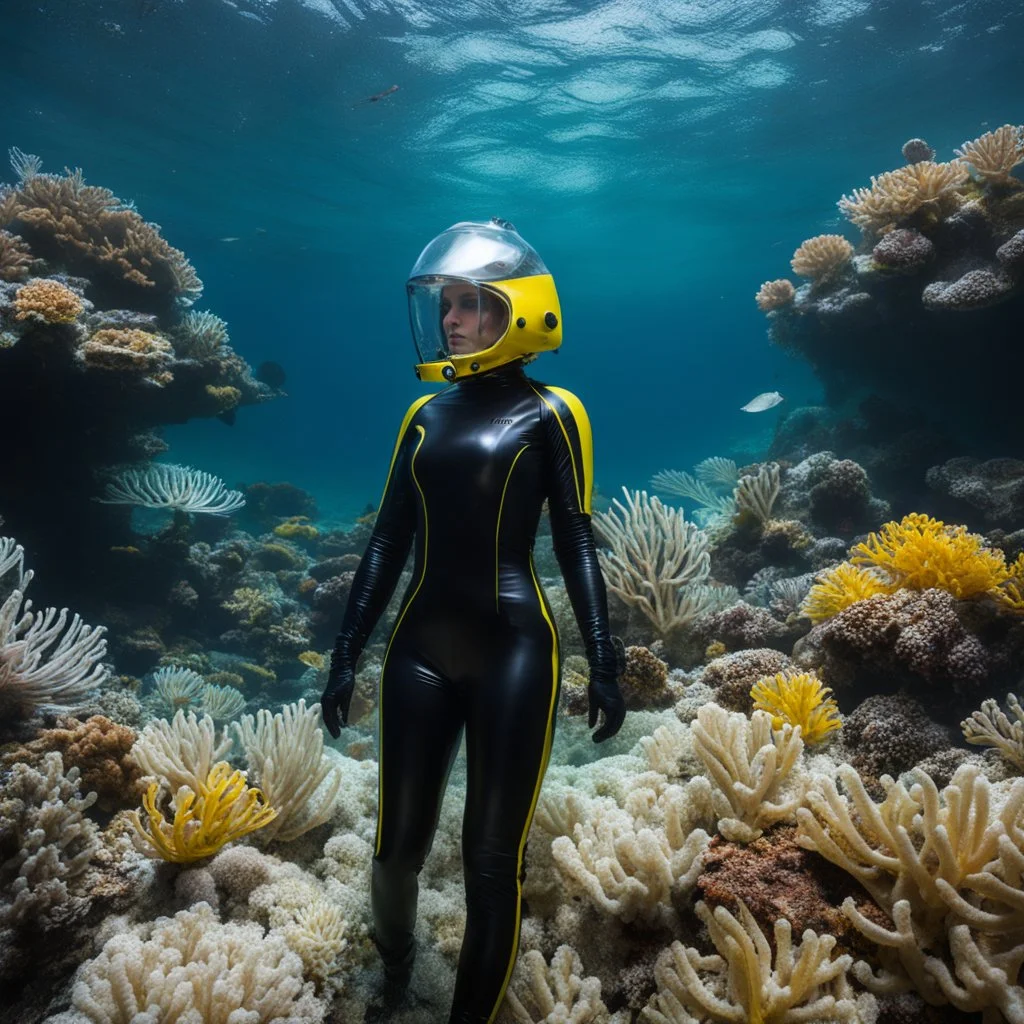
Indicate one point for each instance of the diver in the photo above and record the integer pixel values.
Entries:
(474, 647)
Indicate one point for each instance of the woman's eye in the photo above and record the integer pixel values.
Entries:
(467, 303)
(445, 308)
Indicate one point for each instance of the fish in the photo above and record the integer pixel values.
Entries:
(377, 96)
(766, 400)
(230, 238)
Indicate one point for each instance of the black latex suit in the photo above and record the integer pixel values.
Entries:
(474, 648)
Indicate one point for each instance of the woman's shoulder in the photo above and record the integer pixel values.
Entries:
(563, 402)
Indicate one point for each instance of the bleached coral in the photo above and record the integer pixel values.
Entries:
(897, 194)
(286, 759)
(775, 295)
(629, 861)
(948, 868)
(756, 492)
(556, 994)
(44, 659)
(654, 555)
(193, 968)
(163, 485)
(46, 844)
(991, 727)
(741, 985)
(181, 752)
(753, 768)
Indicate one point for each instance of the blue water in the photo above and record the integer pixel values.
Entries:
(665, 158)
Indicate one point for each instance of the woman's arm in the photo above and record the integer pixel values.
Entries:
(375, 579)
(569, 487)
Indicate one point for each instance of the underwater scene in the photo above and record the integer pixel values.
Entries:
(376, 647)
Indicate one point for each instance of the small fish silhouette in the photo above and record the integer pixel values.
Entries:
(377, 96)
(766, 400)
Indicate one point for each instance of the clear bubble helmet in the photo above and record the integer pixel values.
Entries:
(505, 289)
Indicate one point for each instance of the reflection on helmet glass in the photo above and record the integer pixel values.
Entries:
(479, 297)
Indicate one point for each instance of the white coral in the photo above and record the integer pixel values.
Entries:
(629, 861)
(753, 767)
(195, 970)
(164, 485)
(540, 994)
(44, 659)
(287, 761)
(180, 752)
(742, 985)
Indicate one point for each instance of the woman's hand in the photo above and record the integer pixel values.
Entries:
(604, 695)
(337, 697)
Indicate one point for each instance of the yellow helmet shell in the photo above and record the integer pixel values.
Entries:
(495, 258)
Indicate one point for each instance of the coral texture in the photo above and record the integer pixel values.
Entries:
(192, 967)
(50, 301)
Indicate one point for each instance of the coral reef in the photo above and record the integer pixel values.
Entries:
(938, 255)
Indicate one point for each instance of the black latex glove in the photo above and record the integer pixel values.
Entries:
(337, 697)
(603, 695)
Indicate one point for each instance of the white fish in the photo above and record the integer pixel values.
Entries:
(766, 400)
(230, 238)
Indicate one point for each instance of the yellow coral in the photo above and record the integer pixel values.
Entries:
(47, 300)
(225, 397)
(715, 649)
(224, 810)
(297, 527)
(129, 349)
(798, 699)
(314, 659)
(838, 588)
(920, 552)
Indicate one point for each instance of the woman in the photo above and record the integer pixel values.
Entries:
(474, 646)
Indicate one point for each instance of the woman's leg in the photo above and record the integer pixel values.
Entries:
(509, 728)
(420, 728)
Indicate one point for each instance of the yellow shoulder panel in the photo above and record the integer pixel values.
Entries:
(585, 471)
(407, 419)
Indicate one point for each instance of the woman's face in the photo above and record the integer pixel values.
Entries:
(472, 319)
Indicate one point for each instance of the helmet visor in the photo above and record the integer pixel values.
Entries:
(479, 252)
(454, 317)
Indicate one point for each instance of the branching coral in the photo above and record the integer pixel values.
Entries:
(756, 492)
(192, 967)
(919, 553)
(47, 300)
(752, 766)
(654, 553)
(798, 699)
(286, 756)
(98, 747)
(629, 861)
(15, 257)
(995, 154)
(895, 195)
(822, 257)
(991, 727)
(947, 867)
(804, 984)
(223, 810)
(164, 485)
(775, 295)
(46, 844)
(181, 752)
(558, 994)
(89, 228)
